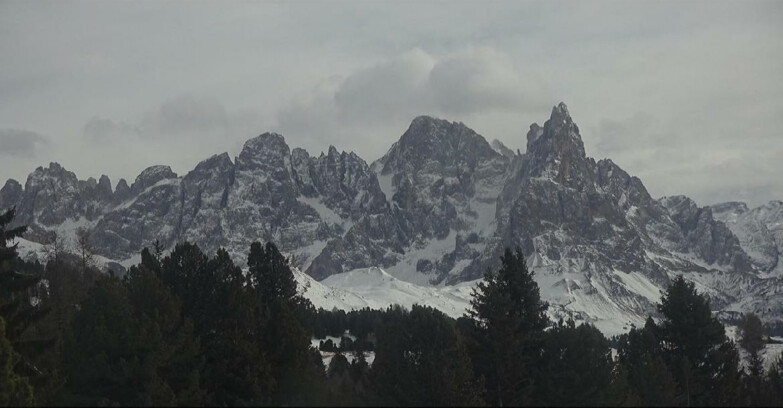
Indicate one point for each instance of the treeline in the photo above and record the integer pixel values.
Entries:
(190, 329)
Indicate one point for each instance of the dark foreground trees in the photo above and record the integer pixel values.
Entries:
(190, 329)
(421, 361)
(506, 328)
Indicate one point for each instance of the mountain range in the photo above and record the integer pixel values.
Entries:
(433, 214)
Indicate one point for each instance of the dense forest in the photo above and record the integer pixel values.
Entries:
(188, 328)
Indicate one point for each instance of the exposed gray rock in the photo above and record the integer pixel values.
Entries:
(122, 192)
(10, 194)
(711, 240)
(150, 176)
(502, 149)
(760, 232)
(438, 208)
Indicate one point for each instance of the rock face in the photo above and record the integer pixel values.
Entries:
(438, 208)
(760, 232)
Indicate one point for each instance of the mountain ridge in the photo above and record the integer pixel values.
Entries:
(437, 209)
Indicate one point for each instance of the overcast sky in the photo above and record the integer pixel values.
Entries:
(686, 95)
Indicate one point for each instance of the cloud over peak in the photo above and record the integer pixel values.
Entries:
(20, 143)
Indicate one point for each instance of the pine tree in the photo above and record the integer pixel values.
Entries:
(271, 275)
(222, 304)
(179, 353)
(421, 360)
(508, 319)
(237, 371)
(16, 306)
(775, 383)
(131, 346)
(285, 341)
(14, 390)
(641, 356)
(66, 289)
(576, 367)
(702, 359)
(752, 341)
(751, 332)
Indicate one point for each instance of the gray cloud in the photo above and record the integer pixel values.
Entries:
(20, 143)
(102, 130)
(369, 105)
(685, 95)
(186, 114)
(480, 80)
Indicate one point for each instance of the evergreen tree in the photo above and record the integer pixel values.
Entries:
(183, 272)
(775, 383)
(237, 370)
(752, 341)
(508, 320)
(66, 289)
(271, 275)
(641, 356)
(16, 295)
(179, 353)
(703, 361)
(576, 367)
(131, 346)
(421, 361)
(14, 390)
(751, 332)
(298, 376)
(222, 304)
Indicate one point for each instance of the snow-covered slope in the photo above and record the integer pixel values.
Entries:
(376, 289)
(426, 220)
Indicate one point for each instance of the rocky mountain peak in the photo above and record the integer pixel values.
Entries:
(268, 151)
(556, 150)
(731, 207)
(122, 186)
(10, 194)
(439, 207)
(151, 175)
(425, 130)
(560, 113)
(559, 136)
(218, 161)
(268, 141)
(104, 184)
(430, 140)
(502, 149)
(55, 172)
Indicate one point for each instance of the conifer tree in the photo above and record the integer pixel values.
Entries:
(283, 338)
(775, 383)
(271, 275)
(751, 333)
(16, 291)
(752, 341)
(237, 371)
(421, 360)
(15, 288)
(703, 361)
(641, 356)
(222, 304)
(131, 346)
(576, 367)
(66, 290)
(508, 320)
(14, 390)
